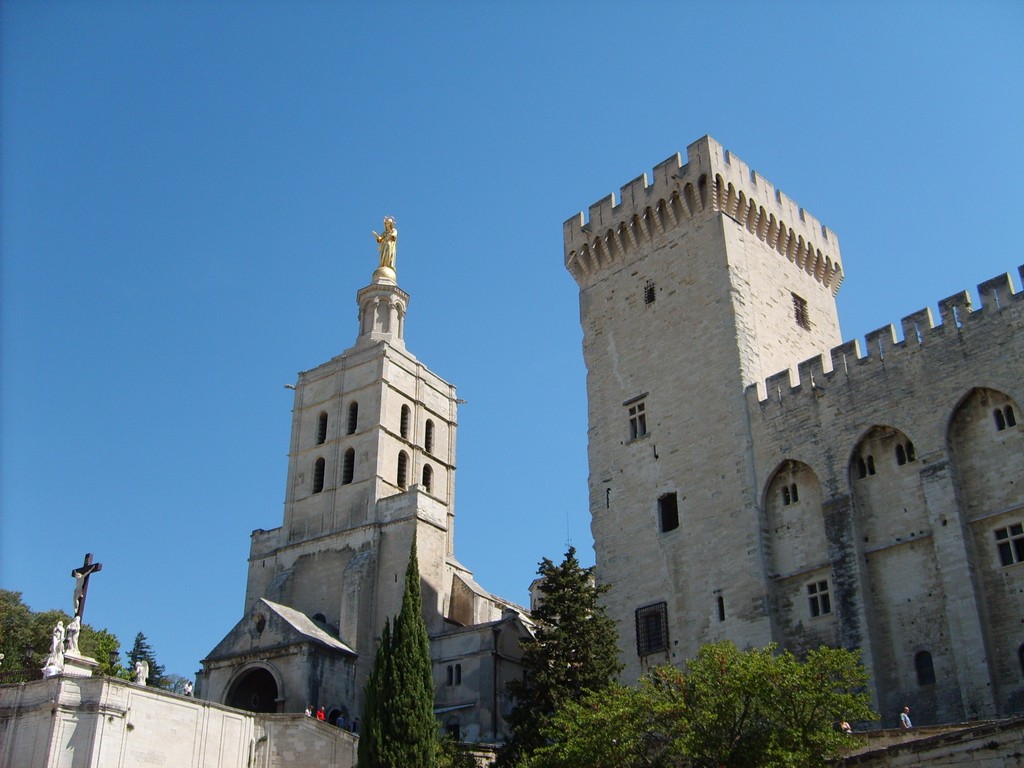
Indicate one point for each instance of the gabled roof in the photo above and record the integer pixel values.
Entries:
(304, 625)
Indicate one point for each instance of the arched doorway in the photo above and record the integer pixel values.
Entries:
(255, 691)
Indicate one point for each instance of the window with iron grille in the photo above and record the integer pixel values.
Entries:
(652, 629)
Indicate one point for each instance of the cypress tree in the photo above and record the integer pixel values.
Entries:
(371, 730)
(399, 727)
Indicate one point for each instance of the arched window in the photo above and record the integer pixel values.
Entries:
(901, 454)
(1011, 419)
(871, 465)
(348, 468)
(786, 500)
(793, 493)
(403, 469)
(403, 427)
(924, 667)
(353, 417)
(321, 429)
(997, 414)
(319, 469)
(862, 468)
(428, 478)
(428, 436)
(911, 456)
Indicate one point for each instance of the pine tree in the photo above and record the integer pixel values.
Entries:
(398, 711)
(574, 650)
(143, 651)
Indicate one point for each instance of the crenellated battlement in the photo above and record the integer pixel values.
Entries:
(882, 346)
(712, 180)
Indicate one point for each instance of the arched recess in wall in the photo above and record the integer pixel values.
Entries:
(796, 529)
(885, 482)
(255, 688)
(902, 581)
(797, 553)
(987, 466)
(986, 451)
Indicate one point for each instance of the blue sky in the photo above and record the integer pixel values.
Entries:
(188, 190)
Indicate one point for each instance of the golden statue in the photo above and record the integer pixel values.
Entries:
(387, 243)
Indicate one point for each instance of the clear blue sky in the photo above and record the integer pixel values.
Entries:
(188, 190)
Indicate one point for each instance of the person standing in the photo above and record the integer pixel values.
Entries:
(905, 718)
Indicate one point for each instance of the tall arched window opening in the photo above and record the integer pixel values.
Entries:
(403, 469)
(319, 470)
(353, 417)
(348, 469)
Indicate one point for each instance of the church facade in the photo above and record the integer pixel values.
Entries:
(371, 468)
(777, 484)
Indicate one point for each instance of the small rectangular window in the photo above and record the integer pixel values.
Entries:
(818, 598)
(649, 294)
(637, 420)
(803, 319)
(652, 629)
(668, 512)
(1010, 544)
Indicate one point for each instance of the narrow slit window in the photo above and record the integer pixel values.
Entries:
(721, 608)
(428, 478)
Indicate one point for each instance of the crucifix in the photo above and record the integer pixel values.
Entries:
(81, 576)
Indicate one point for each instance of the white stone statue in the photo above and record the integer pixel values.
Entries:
(141, 671)
(55, 661)
(71, 636)
(387, 243)
(76, 598)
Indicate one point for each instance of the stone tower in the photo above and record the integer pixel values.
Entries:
(693, 285)
(371, 466)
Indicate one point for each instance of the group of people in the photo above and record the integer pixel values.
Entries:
(318, 713)
(904, 722)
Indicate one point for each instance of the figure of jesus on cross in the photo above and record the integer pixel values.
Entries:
(81, 576)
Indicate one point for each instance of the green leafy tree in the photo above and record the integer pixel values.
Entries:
(143, 651)
(573, 651)
(398, 718)
(752, 709)
(25, 637)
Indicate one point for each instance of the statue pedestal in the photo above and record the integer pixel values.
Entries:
(385, 275)
(79, 666)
